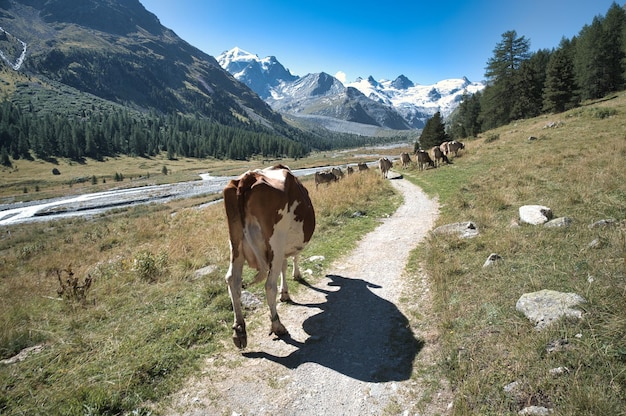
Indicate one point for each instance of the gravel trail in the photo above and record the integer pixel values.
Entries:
(351, 348)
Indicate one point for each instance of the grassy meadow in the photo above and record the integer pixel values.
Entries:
(578, 169)
(138, 320)
(117, 306)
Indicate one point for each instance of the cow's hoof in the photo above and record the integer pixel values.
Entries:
(284, 297)
(240, 338)
(278, 329)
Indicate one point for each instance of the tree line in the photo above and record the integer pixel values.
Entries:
(99, 134)
(523, 84)
(26, 133)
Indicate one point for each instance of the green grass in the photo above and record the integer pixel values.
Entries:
(578, 170)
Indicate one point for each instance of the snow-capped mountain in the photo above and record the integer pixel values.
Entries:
(417, 103)
(397, 104)
(261, 75)
(324, 95)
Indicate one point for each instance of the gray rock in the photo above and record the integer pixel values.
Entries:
(512, 388)
(597, 243)
(492, 259)
(461, 229)
(250, 301)
(607, 222)
(204, 271)
(547, 306)
(535, 214)
(558, 371)
(535, 411)
(559, 222)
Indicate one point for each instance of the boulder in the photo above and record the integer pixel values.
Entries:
(559, 222)
(461, 229)
(492, 259)
(547, 306)
(534, 214)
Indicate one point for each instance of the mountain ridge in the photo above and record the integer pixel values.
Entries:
(119, 51)
(399, 104)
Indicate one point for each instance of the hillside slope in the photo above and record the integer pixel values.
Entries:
(118, 51)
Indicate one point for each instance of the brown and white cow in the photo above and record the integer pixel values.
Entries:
(445, 148)
(454, 147)
(384, 165)
(324, 177)
(270, 218)
(405, 159)
(438, 156)
(423, 159)
(337, 172)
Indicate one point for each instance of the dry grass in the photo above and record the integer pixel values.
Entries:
(147, 319)
(578, 170)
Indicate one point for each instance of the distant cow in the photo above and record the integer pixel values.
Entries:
(445, 149)
(350, 170)
(438, 156)
(270, 218)
(405, 159)
(384, 164)
(454, 147)
(324, 177)
(337, 172)
(423, 159)
(362, 166)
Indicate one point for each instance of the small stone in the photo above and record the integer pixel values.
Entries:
(603, 223)
(492, 259)
(462, 229)
(535, 411)
(559, 222)
(558, 371)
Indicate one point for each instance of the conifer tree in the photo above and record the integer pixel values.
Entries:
(500, 95)
(434, 133)
(560, 88)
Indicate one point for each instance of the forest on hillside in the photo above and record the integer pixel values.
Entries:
(523, 84)
(96, 133)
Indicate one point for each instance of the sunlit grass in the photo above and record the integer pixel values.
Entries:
(147, 320)
(578, 170)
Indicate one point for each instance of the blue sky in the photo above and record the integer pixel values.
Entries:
(427, 41)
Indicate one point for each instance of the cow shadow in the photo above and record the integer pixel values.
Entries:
(357, 333)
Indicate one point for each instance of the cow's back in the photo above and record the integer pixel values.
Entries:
(266, 202)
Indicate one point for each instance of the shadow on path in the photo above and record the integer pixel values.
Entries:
(357, 333)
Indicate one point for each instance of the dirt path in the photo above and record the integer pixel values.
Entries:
(351, 349)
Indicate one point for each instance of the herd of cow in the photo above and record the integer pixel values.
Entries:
(336, 173)
(271, 218)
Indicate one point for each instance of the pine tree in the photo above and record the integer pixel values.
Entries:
(500, 95)
(434, 133)
(560, 88)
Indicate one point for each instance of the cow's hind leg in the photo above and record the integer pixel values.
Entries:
(271, 292)
(297, 275)
(284, 289)
(234, 280)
